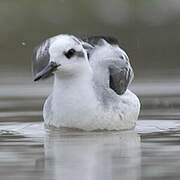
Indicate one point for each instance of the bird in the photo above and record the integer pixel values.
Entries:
(120, 73)
(91, 79)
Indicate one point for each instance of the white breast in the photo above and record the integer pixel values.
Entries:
(75, 105)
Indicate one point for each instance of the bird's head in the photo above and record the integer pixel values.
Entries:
(62, 54)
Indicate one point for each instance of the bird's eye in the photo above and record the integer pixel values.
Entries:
(122, 57)
(69, 53)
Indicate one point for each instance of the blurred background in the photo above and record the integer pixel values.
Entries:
(148, 30)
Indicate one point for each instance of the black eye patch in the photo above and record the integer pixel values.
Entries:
(70, 53)
(122, 57)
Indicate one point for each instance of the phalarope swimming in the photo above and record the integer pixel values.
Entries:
(90, 84)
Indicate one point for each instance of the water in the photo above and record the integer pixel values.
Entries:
(149, 32)
(28, 151)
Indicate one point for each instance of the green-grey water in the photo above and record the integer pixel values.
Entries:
(28, 151)
(149, 31)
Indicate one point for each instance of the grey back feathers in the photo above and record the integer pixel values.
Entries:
(119, 77)
(95, 40)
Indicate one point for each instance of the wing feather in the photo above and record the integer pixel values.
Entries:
(119, 77)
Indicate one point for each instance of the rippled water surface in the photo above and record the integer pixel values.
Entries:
(28, 151)
(149, 31)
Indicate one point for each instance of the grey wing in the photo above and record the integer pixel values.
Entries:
(120, 78)
(94, 40)
(41, 57)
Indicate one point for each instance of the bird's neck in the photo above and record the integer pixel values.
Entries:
(100, 75)
(72, 83)
(74, 90)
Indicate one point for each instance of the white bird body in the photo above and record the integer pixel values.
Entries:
(80, 100)
(75, 104)
(91, 116)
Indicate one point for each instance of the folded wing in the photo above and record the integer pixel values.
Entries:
(120, 75)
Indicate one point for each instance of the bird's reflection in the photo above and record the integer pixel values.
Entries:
(95, 155)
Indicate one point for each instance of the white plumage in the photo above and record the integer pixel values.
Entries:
(88, 95)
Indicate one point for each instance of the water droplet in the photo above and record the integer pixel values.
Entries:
(23, 43)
